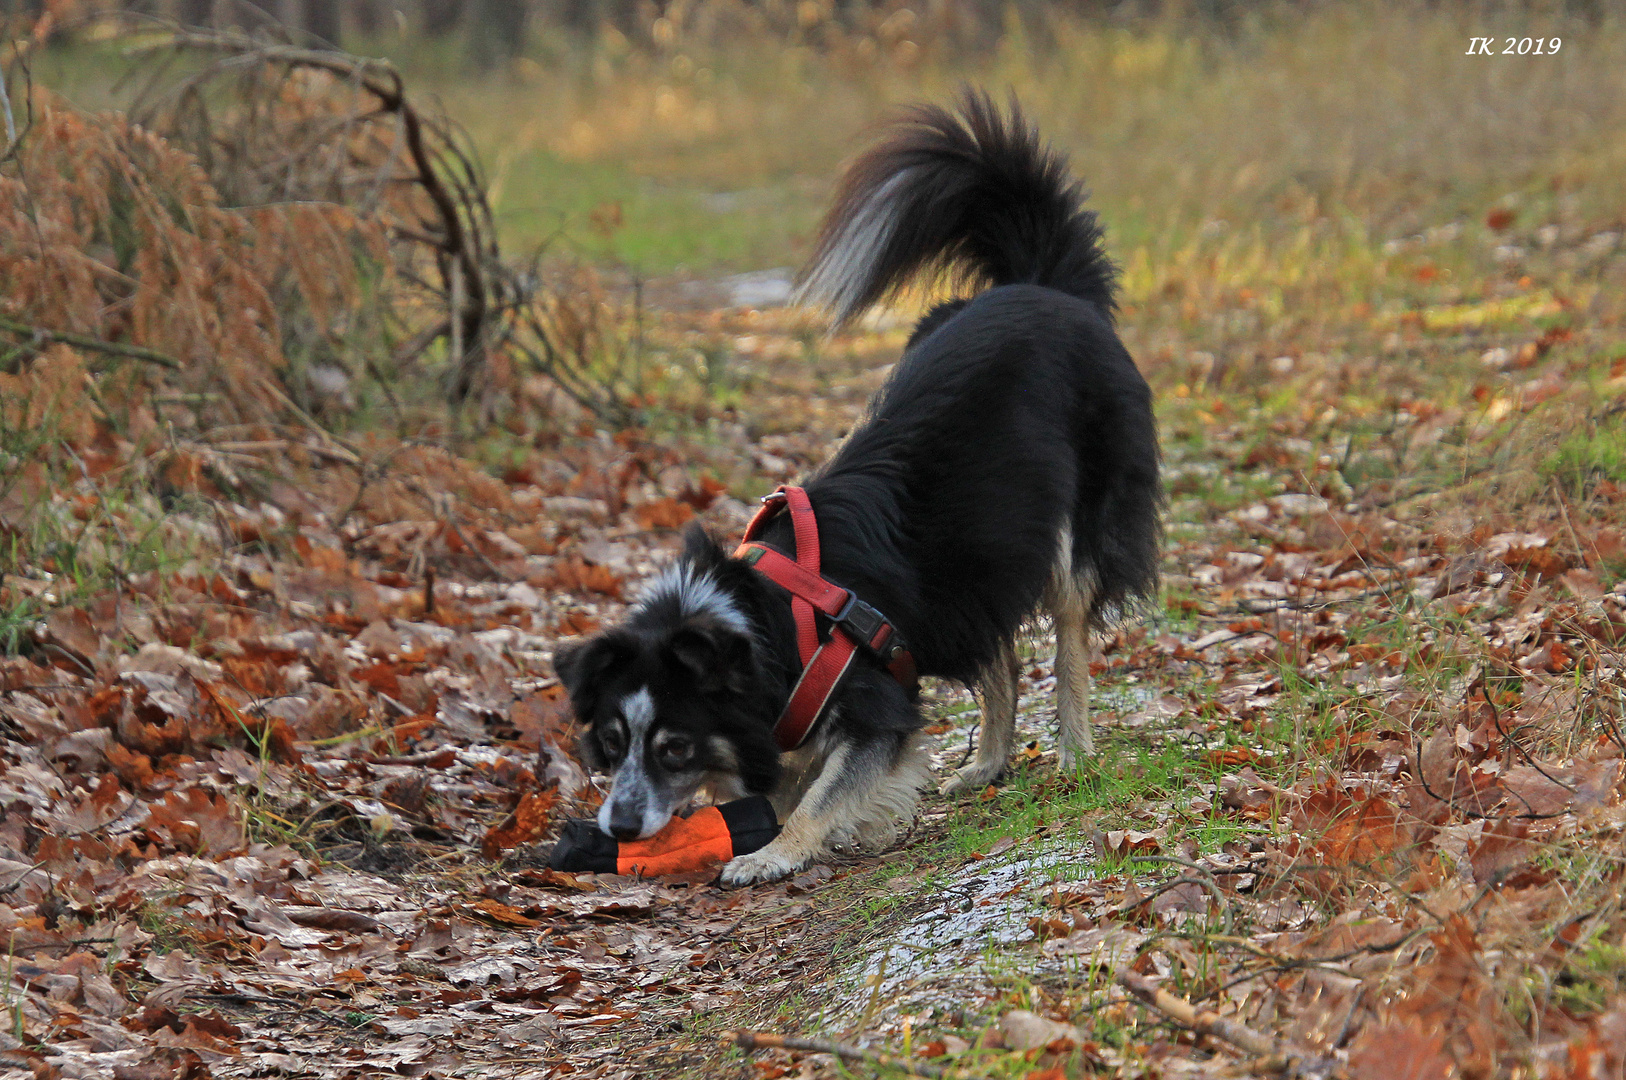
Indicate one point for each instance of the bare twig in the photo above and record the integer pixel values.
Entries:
(1277, 1055)
(1451, 803)
(762, 1040)
(1496, 717)
(716, 943)
(490, 306)
(1264, 606)
(1205, 880)
(451, 523)
(441, 503)
(340, 451)
(370, 469)
(83, 341)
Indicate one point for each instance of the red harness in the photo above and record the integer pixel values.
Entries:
(856, 623)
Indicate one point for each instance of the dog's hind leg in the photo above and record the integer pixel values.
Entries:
(996, 687)
(1069, 602)
(858, 786)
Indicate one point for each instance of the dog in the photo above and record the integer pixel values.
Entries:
(1008, 468)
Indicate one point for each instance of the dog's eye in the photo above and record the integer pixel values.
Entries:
(613, 741)
(676, 751)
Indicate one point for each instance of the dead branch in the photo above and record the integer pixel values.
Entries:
(1276, 1055)
(491, 305)
(1451, 804)
(763, 1040)
(83, 341)
(15, 136)
(1204, 880)
(449, 516)
(1496, 716)
(460, 232)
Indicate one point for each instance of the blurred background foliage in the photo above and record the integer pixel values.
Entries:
(702, 134)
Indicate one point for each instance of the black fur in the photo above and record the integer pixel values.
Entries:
(1014, 415)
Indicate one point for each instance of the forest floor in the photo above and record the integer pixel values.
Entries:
(1358, 783)
(282, 750)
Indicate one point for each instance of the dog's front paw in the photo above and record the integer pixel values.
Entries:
(1075, 748)
(764, 865)
(974, 777)
(1070, 760)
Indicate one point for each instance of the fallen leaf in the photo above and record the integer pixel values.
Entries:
(334, 919)
(1025, 1030)
(663, 514)
(502, 914)
(1398, 1051)
(527, 824)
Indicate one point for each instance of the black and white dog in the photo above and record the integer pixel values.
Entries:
(1008, 468)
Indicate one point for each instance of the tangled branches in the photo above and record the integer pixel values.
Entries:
(276, 125)
(271, 235)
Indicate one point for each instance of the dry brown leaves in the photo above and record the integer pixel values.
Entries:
(1433, 871)
(244, 800)
(115, 235)
(241, 796)
(176, 756)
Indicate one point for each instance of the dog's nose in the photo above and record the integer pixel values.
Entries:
(626, 822)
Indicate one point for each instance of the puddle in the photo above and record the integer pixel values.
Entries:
(944, 955)
(761, 289)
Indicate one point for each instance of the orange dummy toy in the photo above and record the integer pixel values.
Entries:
(707, 837)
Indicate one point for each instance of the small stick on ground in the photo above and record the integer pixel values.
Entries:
(763, 1040)
(1275, 1055)
(717, 943)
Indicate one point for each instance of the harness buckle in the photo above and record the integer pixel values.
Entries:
(862, 622)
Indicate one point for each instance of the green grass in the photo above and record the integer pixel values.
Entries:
(170, 930)
(1172, 131)
(76, 538)
(125, 535)
(1591, 452)
(1130, 772)
(18, 616)
(665, 225)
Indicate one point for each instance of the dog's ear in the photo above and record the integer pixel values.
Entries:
(583, 665)
(714, 657)
(700, 548)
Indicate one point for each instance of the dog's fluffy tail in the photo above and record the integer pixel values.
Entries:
(973, 192)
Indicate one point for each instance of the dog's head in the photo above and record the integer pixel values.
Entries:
(670, 700)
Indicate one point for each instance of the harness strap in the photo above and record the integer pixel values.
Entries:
(807, 556)
(856, 623)
(813, 691)
(860, 621)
